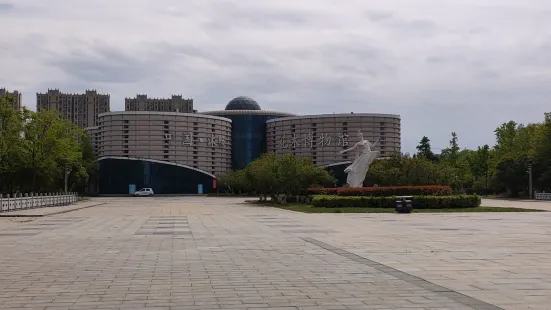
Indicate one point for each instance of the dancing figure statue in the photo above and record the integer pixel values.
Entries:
(364, 156)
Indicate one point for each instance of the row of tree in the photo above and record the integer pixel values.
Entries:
(36, 150)
(501, 169)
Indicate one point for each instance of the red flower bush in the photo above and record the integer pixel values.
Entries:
(431, 190)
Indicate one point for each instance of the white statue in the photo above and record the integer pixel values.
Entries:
(364, 156)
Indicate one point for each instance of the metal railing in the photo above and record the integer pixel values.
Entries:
(31, 201)
(543, 196)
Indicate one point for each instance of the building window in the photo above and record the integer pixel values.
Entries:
(126, 131)
(125, 151)
(126, 121)
(125, 126)
(166, 122)
(125, 146)
(125, 141)
(166, 127)
(165, 151)
(166, 156)
(126, 137)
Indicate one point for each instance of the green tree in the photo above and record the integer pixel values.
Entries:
(542, 156)
(49, 145)
(424, 149)
(82, 172)
(262, 175)
(480, 163)
(512, 175)
(235, 182)
(10, 144)
(451, 153)
(505, 137)
(278, 176)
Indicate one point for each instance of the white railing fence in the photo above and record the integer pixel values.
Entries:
(30, 201)
(543, 196)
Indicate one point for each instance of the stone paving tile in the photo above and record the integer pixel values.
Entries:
(235, 256)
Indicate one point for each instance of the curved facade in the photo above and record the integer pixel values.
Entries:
(248, 133)
(118, 174)
(201, 142)
(321, 137)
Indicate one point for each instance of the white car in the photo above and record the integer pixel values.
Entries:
(144, 192)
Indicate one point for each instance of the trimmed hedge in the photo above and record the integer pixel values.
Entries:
(418, 202)
(432, 190)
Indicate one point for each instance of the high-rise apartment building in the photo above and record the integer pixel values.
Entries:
(173, 104)
(14, 94)
(81, 109)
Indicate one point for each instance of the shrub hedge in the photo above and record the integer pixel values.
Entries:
(418, 202)
(433, 190)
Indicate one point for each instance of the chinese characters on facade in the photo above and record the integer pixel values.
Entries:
(310, 140)
(188, 139)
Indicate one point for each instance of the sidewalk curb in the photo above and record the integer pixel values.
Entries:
(48, 214)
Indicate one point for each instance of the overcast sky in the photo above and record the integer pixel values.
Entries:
(443, 65)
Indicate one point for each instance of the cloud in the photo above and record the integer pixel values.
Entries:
(456, 66)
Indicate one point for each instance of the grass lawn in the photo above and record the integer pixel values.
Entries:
(310, 209)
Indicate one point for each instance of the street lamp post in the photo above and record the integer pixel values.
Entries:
(67, 171)
(531, 191)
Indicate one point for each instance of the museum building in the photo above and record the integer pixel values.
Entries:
(185, 153)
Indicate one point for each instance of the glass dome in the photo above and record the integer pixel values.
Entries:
(243, 103)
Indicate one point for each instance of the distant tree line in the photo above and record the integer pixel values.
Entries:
(500, 169)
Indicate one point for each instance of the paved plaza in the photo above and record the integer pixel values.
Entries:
(220, 253)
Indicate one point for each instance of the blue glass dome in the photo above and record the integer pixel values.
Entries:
(242, 103)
